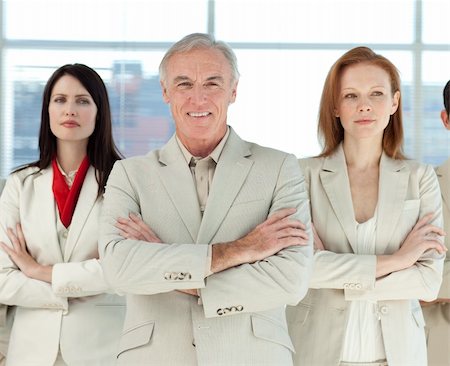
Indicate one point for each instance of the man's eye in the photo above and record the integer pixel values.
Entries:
(184, 84)
(377, 93)
(212, 85)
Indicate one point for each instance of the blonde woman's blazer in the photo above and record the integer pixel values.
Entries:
(74, 313)
(407, 191)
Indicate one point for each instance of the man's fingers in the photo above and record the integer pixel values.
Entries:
(280, 215)
(291, 241)
(298, 233)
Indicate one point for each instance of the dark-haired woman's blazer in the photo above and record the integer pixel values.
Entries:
(75, 313)
(407, 191)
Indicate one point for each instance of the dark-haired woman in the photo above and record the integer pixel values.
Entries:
(49, 268)
(378, 220)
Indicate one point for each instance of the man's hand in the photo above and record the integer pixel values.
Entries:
(276, 233)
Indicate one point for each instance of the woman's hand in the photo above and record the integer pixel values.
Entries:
(421, 238)
(136, 229)
(22, 259)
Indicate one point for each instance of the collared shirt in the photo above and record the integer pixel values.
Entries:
(68, 177)
(203, 169)
(203, 177)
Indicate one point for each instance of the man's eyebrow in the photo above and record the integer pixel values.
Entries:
(180, 78)
(215, 78)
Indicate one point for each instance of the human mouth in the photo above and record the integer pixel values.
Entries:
(364, 121)
(70, 124)
(198, 114)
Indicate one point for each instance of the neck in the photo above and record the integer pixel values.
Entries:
(362, 154)
(200, 147)
(70, 155)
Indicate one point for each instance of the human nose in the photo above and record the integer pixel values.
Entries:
(197, 95)
(364, 105)
(70, 109)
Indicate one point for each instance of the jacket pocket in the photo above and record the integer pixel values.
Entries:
(135, 337)
(272, 331)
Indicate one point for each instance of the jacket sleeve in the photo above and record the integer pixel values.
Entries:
(78, 279)
(277, 280)
(422, 280)
(15, 287)
(137, 267)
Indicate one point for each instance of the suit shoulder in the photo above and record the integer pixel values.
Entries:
(310, 164)
(419, 168)
(138, 162)
(29, 173)
(269, 155)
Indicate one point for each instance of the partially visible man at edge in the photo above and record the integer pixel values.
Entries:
(222, 246)
(437, 313)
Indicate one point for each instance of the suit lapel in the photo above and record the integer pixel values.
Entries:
(47, 214)
(336, 184)
(230, 174)
(393, 185)
(178, 182)
(85, 203)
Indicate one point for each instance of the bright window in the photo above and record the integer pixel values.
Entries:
(284, 47)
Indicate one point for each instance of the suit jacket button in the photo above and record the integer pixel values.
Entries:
(384, 309)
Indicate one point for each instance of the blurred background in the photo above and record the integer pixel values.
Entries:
(284, 48)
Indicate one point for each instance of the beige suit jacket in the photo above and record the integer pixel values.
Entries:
(437, 316)
(240, 318)
(407, 191)
(73, 313)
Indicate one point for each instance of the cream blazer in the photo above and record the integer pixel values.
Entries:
(407, 191)
(73, 313)
(437, 316)
(240, 317)
(443, 173)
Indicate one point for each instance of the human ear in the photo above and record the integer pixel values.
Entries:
(164, 92)
(445, 119)
(395, 102)
(234, 92)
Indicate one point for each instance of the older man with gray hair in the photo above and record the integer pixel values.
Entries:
(209, 237)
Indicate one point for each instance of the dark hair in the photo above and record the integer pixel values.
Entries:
(101, 150)
(447, 97)
(330, 128)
